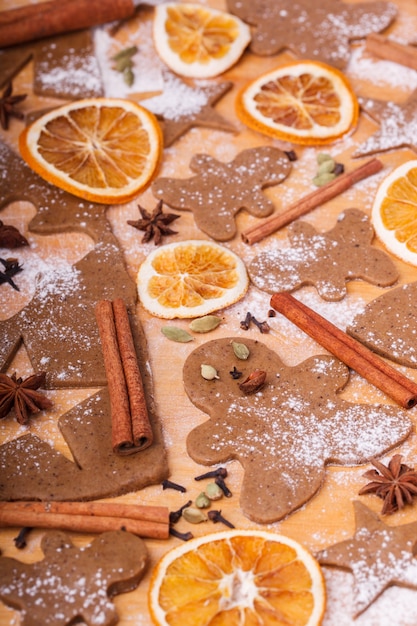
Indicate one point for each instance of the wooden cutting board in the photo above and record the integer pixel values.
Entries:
(328, 517)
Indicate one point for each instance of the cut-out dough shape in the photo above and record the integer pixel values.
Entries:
(286, 434)
(313, 30)
(59, 331)
(67, 67)
(398, 125)
(220, 190)
(182, 107)
(378, 556)
(326, 260)
(72, 584)
(388, 325)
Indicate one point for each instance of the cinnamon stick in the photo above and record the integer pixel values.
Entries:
(131, 428)
(10, 516)
(141, 427)
(390, 50)
(31, 22)
(354, 354)
(321, 195)
(154, 514)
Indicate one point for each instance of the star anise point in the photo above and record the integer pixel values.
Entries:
(395, 484)
(8, 103)
(155, 224)
(22, 396)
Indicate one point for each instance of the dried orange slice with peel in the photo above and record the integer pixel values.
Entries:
(237, 577)
(198, 41)
(394, 212)
(304, 102)
(100, 149)
(189, 279)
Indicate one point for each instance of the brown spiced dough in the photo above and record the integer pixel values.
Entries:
(378, 555)
(285, 434)
(395, 121)
(319, 31)
(218, 191)
(326, 260)
(388, 325)
(176, 121)
(74, 584)
(63, 67)
(59, 331)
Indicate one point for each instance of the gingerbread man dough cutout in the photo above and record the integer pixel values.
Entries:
(219, 190)
(320, 31)
(326, 260)
(72, 584)
(285, 434)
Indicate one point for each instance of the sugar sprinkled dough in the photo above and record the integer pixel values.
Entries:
(320, 31)
(285, 434)
(378, 555)
(72, 583)
(388, 325)
(326, 260)
(208, 193)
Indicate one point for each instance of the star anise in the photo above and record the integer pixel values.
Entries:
(7, 106)
(11, 268)
(396, 484)
(22, 396)
(155, 224)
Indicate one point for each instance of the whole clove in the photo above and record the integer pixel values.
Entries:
(20, 540)
(183, 536)
(220, 471)
(235, 374)
(219, 480)
(291, 155)
(263, 326)
(244, 324)
(175, 516)
(216, 516)
(168, 484)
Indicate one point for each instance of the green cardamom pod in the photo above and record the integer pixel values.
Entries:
(323, 179)
(125, 53)
(122, 63)
(208, 372)
(128, 76)
(205, 324)
(194, 516)
(326, 166)
(241, 350)
(176, 334)
(202, 501)
(213, 491)
(322, 157)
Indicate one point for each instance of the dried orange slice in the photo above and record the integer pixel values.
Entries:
(394, 212)
(100, 149)
(198, 41)
(304, 102)
(190, 279)
(237, 577)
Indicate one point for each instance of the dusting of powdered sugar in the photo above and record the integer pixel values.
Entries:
(147, 68)
(380, 72)
(396, 605)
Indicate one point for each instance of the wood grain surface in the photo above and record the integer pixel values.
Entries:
(328, 517)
